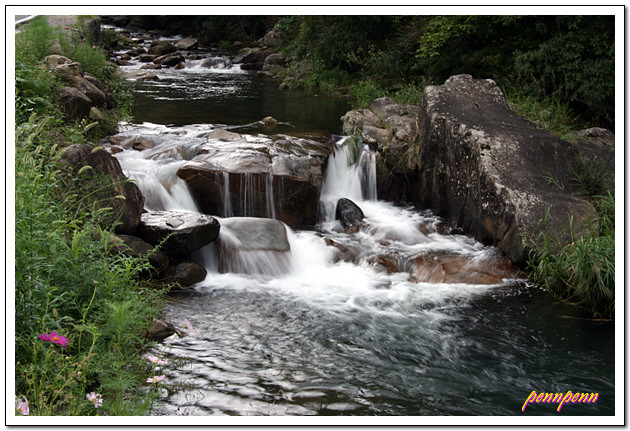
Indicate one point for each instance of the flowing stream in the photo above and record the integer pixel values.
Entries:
(308, 333)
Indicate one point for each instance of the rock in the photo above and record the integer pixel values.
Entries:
(485, 167)
(161, 47)
(223, 135)
(187, 44)
(342, 252)
(97, 97)
(73, 103)
(121, 62)
(110, 101)
(172, 59)
(135, 52)
(216, 62)
(277, 179)
(146, 58)
(349, 214)
(269, 122)
(178, 234)
(158, 330)
(96, 114)
(254, 246)
(105, 183)
(386, 107)
(244, 53)
(254, 60)
(453, 269)
(137, 247)
(185, 274)
(596, 147)
(380, 263)
(139, 75)
(55, 60)
(138, 143)
(271, 39)
(150, 66)
(68, 70)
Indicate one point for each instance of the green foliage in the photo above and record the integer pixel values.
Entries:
(69, 283)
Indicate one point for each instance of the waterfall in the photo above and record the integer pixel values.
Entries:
(350, 174)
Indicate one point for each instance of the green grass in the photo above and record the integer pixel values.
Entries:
(66, 279)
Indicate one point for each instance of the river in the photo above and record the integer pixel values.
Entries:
(328, 337)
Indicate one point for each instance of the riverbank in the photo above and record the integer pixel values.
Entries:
(81, 311)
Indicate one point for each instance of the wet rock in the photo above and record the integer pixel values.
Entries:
(342, 252)
(223, 135)
(454, 269)
(105, 183)
(349, 214)
(269, 122)
(150, 66)
(485, 167)
(268, 178)
(254, 246)
(139, 75)
(271, 39)
(172, 60)
(381, 263)
(187, 44)
(138, 143)
(137, 247)
(185, 274)
(146, 58)
(178, 234)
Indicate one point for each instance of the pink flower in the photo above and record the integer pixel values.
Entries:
(156, 360)
(97, 399)
(21, 405)
(189, 325)
(155, 379)
(53, 337)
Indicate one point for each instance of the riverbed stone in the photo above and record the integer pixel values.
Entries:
(139, 75)
(137, 247)
(161, 47)
(454, 269)
(280, 177)
(488, 169)
(178, 233)
(187, 44)
(73, 102)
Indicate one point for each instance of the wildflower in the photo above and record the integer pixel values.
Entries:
(97, 399)
(156, 360)
(155, 379)
(189, 325)
(21, 405)
(53, 337)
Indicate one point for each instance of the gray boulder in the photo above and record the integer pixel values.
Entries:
(161, 47)
(187, 44)
(178, 234)
(488, 169)
(73, 102)
(185, 274)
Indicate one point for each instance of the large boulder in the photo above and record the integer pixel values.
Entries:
(254, 246)
(276, 178)
(161, 47)
(185, 274)
(139, 75)
(176, 233)
(137, 247)
(105, 185)
(489, 169)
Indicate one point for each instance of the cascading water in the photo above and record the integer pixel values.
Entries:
(404, 317)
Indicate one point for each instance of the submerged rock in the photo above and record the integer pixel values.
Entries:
(254, 246)
(453, 268)
(178, 233)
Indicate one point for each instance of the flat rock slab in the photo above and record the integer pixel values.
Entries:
(176, 233)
